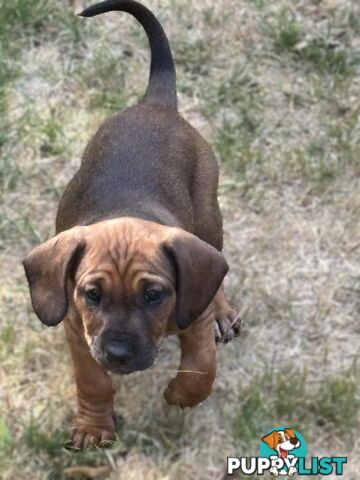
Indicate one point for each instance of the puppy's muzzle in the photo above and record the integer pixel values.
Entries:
(119, 352)
(123, 353)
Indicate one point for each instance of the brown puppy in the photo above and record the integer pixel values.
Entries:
(137, 255)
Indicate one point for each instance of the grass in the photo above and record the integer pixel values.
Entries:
(273, 87)
(23, 18)
(326, 58)
(320, 52)
(289, 399)
(6, 441)
(286, 35)
(234, 143)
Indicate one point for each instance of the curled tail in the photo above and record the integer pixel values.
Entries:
(162, 81)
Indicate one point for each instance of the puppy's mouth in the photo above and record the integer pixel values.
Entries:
(283, 452)
(136, 364)
(124, 370)
(119, 370)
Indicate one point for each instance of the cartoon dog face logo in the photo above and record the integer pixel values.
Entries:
(282, 441)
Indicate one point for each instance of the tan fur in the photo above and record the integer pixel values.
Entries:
(124, 252)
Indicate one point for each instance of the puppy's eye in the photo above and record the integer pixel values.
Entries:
(153, 296)
(93, 294)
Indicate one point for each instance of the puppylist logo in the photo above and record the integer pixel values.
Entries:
(283, 452)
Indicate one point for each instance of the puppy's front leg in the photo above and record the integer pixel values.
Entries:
(95, 418)
(227, 322)
(194, 380)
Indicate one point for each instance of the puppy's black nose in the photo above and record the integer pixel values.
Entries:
(294, 441)
(119, 351)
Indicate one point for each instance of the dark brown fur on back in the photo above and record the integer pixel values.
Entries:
(146, 162)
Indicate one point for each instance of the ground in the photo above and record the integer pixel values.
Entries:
(275, 88)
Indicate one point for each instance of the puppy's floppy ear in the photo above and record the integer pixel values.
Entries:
(270, 439)
(47, 269)
(291, 432)
(200, 269)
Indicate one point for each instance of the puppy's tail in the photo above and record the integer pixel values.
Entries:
(162, 82)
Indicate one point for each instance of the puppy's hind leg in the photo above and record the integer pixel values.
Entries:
(227, 323)
(194, 380)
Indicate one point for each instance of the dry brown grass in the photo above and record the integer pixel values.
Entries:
(274, 86)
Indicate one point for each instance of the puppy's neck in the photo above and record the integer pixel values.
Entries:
(149, 212)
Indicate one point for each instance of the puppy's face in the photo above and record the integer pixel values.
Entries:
(125, 294)
(130, 282)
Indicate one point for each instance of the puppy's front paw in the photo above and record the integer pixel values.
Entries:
(227, 324)
(85, 435)
(178, 394)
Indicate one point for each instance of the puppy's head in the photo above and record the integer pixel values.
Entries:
(130, 281)
(282, 441)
